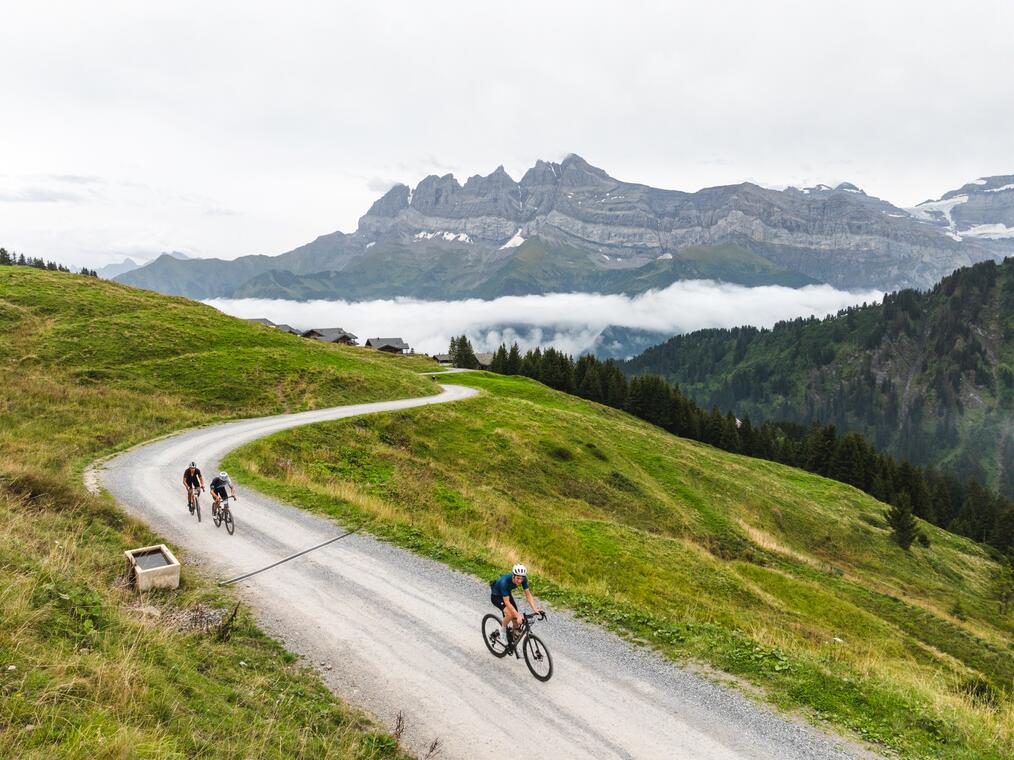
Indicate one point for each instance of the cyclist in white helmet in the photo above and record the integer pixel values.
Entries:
(218, 485)
(502, 597)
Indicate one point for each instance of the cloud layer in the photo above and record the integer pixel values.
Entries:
(568, 321)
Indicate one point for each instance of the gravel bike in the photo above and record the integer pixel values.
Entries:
(223, 514)
(536, 655)
(194, 502)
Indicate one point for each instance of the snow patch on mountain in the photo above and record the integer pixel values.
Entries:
(937, 211)
(989, 231)
(514, 242)
(450, 237)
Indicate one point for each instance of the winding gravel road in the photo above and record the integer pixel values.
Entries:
(395, 633)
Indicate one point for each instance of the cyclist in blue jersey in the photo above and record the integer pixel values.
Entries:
(218, 485)
(502, 598)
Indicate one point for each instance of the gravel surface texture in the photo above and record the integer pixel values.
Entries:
(396, 633)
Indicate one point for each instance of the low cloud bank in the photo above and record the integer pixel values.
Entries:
(568, 321)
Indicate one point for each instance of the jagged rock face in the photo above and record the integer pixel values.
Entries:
(839, 235)
(465, 235)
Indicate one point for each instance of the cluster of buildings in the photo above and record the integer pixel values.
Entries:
(338, 335)
(344, 337)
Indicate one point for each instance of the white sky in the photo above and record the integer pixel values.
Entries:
(222, 129)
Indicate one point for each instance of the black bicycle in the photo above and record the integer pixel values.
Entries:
(223, 514)
(536, 655)
(194, 502)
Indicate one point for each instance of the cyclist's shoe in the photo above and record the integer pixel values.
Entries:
(190, 506)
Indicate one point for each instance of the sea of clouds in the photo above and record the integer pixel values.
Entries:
(570, 322)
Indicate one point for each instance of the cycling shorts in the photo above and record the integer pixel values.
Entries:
(498, 602)
(220, 490)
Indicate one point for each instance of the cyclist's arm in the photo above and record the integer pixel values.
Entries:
(531, 601)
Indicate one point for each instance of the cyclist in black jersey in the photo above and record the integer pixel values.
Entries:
(192, 479)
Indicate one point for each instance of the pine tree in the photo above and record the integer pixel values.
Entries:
(590, 385)
(499, 363)
(614, 385)
(467, 354)
(513, 365)
(903, 525)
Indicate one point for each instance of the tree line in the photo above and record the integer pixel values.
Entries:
(901, 372)
(10, 259)
(966, 508)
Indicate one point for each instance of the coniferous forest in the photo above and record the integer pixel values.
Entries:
(925, 376)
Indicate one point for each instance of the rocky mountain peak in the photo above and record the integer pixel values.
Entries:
(391, 202)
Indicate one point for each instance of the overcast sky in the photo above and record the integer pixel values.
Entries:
(222, 129)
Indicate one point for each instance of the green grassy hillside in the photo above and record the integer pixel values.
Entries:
(89, 367)
(928, 377)
(782, 578)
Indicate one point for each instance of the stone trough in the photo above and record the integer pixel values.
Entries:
(153, 567)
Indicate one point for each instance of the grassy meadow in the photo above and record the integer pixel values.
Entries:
(89, 367)
(784, 581)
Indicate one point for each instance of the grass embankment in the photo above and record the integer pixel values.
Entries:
(783, 578)
(90, 367)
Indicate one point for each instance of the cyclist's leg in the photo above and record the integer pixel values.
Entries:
(497, 601)
(510, 614)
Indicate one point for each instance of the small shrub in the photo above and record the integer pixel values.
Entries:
(621, 482)
(561, 453)
(981, 691)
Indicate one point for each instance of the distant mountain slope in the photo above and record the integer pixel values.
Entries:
(982, 210)
(109, 271)
(571, 226)
(926, 376)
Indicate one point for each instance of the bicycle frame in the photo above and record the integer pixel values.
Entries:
(526, 628)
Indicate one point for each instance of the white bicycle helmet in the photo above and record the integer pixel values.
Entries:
(521, 570)
(224, 475)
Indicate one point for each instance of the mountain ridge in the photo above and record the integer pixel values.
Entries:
(446, 239)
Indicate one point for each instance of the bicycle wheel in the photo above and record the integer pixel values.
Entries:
(537, 658)
(197, 507)
(227, 518)
(493, 636)
(216, 516)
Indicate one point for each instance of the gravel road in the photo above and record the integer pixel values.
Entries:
(395, 633)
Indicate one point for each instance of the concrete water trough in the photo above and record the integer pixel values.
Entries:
(153, 567)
